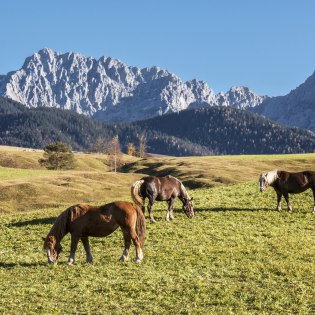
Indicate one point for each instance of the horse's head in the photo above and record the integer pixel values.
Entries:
(188, 207)
(263, 182)
(52, 248)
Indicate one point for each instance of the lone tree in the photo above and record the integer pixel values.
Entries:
(57, 156)
(131, 149)
(115, 157)
(142, 144)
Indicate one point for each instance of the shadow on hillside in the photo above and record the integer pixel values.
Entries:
(50, 220)
(151, 169)
(222, 209)
(27, 265)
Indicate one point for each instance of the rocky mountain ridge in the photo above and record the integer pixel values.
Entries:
(107, 89)
(297, 108)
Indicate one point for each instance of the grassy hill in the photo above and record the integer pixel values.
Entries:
(24, 185)
(214, 171)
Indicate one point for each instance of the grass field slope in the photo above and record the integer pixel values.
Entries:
(236, 256)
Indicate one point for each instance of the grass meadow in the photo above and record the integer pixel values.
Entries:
(237, 256)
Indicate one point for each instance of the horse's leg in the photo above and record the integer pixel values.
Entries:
(86, 244)
(74, 244)
(313, 189)
(136, 242)
(127, 239)
(150, 204)
(169, 214)
(279, 197)
(286, 197)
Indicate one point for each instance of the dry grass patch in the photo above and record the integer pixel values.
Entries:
(214, 171)
(63, 189)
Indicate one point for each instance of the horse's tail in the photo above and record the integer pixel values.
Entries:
(140, 225)
(135, 193)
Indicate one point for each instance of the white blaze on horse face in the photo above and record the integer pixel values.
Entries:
(48, 256)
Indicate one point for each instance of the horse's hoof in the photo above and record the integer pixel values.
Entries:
(137, 260)
(152, 221)
(123, 258)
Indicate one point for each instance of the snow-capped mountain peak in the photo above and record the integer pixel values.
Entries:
(109, 89)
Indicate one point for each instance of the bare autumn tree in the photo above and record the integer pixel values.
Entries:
(131, 149)
(142, 144)
(101, 145)
(115, 157)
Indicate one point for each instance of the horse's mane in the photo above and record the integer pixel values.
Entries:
(271, 176)
(182, 187)
(59, 229)
(184, 191)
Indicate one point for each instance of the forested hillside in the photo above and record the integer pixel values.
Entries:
(225, 130)
(206, 131)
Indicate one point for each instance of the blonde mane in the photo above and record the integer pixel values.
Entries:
(271, 176)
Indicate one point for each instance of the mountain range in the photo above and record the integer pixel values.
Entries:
(53, 96)
(107, 89)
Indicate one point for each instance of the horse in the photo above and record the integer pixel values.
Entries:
(285, 182)
(167, 189)
(82, 221)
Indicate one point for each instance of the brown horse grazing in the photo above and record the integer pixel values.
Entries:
(285, 183)
(161, 189)
(82, 221)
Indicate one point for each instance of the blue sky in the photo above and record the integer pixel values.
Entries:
(267, 45)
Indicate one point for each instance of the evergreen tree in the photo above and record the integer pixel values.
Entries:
(57, 156)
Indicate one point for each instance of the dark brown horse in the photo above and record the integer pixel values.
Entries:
(166, 188)
(285, 183)
(82, 221)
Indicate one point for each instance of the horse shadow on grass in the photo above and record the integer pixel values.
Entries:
(225, 209)
(25, 265)
(50, 220)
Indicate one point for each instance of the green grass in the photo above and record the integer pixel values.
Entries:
(237, 256)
